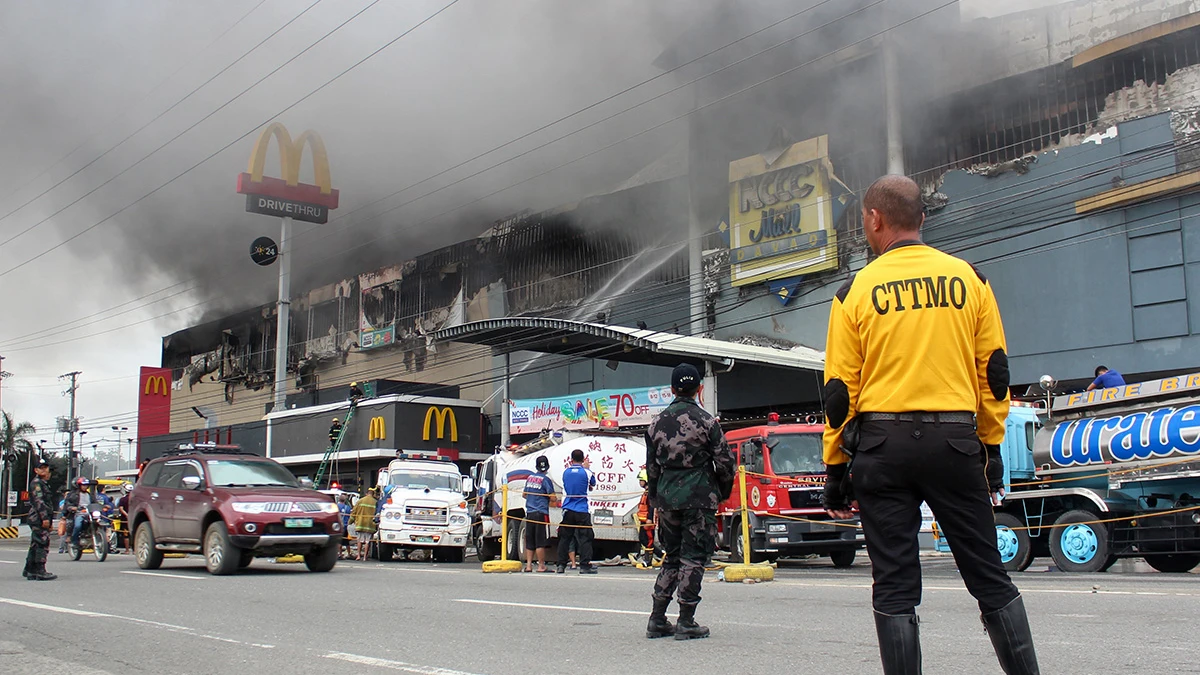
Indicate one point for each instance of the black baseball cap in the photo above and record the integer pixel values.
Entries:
(685, 377)
(41, 462)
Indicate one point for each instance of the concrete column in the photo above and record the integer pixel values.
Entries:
(895, 140)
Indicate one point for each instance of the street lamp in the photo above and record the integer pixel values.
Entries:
(71, 460)
(119, 430)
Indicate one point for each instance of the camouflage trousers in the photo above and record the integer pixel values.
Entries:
(39, 548)
(687, 539)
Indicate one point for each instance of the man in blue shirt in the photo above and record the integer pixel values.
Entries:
(576, 523)
(538, 491)
(1106, 379)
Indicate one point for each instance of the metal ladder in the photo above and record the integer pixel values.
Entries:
(321, 472)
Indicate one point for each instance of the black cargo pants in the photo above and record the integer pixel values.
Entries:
(898, 465)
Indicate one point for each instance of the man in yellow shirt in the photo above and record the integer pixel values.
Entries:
(916, 393)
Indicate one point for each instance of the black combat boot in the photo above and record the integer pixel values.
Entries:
(1011, 638)
(659, 625)
(40, 574)
(687, 628)
(899, 643)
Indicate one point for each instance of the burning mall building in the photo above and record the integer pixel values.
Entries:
(1056, 143)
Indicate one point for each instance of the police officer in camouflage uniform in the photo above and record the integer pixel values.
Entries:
(40, 514)
(690, 470)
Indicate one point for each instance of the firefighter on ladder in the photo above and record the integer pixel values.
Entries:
(335, 430)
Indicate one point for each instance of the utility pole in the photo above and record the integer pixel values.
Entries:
(3, 375)
(284, 307)
(72, 422)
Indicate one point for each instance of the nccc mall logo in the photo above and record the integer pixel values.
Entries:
(441, 415)
(378, 429)
(287, 196)
(156, 384)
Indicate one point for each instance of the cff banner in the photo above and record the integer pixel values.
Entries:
(629, 407)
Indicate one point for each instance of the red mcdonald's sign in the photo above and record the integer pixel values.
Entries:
(154, 403)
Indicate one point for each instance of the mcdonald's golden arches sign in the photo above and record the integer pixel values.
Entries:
(378, 429)
(287, 196)
(439, 417)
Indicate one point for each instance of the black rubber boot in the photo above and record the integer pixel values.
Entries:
(1008, 628)
(687, 628)
(899, 643)
(659, 625)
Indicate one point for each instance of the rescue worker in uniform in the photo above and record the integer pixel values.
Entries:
(356, 392)
(916, 397)
(41, 512)
(335, 430)
(689, 471)
(645, 516)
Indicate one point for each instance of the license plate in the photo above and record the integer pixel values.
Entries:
(821, 527)
(425, 540)
(297, 522)
(602, 517)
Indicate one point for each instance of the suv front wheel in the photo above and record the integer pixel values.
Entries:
(322, 559)
(148, 557)
(220, 555)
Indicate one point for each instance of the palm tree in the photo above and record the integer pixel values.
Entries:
(12, 435)
(12, 441)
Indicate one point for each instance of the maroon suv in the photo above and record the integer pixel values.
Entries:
(232, 507)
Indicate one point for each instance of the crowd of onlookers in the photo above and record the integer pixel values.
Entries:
(359, 523)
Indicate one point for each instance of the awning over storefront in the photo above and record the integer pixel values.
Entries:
(620, 343)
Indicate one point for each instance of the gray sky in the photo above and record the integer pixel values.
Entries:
(84, 75)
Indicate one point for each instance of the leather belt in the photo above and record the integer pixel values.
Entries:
(925, 417)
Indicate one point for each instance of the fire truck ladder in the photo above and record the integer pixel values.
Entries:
(333, 449)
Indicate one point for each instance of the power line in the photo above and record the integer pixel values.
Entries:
(128, 109)
(172, 139)
(736, 93)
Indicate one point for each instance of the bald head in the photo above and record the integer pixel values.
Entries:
(898, 200)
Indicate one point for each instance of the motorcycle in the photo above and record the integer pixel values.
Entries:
(97, 528)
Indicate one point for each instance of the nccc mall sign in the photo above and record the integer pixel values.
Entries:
(287, 196)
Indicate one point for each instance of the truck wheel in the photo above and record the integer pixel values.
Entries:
(738, 554)
(1077, 547)
(1172, 563)
(1016, 549)
(220, 555)
(448, 555)
(148, 557)
(516, 537)
(245, 559)
(487, 549)
(323, 559)
(386, 551)
(843, 559)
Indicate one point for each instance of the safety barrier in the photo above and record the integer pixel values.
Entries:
(9, 532)
(503, 564)
(746, 571)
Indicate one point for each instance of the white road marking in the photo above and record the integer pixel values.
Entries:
(1025, 589)
(164, 574)
(144, 622)
(599, 610)
(8, 562)
(393, 665)
(397, 568)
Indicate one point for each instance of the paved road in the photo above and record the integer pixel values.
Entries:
(451, 620)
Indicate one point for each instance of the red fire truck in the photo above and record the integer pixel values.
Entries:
(784, 477)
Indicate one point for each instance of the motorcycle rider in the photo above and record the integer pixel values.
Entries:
(78, 502)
